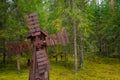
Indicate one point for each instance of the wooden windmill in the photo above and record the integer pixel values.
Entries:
(40, 65)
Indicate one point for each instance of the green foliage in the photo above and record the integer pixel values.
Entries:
(103, 31)
(98, 27)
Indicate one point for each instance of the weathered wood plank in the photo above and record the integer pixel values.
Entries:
(41, 59)
(43, 63)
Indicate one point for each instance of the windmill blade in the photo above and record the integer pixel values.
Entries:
(18, 47)
(65, 35)
(33, 23)
(58, 38)
(52, 39)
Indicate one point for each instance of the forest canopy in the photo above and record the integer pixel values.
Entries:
(97, 22)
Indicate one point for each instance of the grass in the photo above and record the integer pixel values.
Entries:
(96, 68)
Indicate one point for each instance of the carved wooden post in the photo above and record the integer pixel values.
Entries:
(39, 64)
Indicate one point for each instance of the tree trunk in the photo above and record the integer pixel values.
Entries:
(81, 51)
(112, 5)
(4, 57)
(75, 41)
(18, 63)
(56, 57)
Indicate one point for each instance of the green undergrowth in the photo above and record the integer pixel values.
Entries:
(95, 68)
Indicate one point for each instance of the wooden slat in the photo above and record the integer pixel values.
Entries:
(58, 38)
(55, 39)
(36, 34)
(42, 67)
(37, 28)
(62, 38)
(33, 14)
(47, 40)
(41, 59)
(40, 52)
(33, 23)
(43, 63)
(42, 71)
(40, 56)
(34, 26)
(52, 40)
(18, 47)
(32, 19)
(32, 30)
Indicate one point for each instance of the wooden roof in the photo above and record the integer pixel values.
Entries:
(29, 35)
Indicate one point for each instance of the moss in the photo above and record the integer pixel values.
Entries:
(100, 69)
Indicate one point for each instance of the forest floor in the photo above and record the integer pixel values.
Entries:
(95, 68)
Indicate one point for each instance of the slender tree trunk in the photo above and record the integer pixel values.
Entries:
(112, 5)
(81, 57)
(18, 63)
(75, 41)
(100, 49)
(4, 57)
(75, 48)
(56, 56)
(4, 53)
(81, 51)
